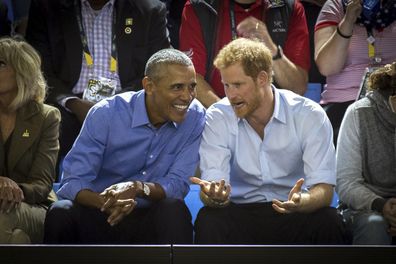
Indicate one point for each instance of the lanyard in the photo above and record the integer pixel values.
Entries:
(83, 36)
(232, 20)
(371, 47)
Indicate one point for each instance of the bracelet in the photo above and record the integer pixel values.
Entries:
(342, 35)
(207, 201)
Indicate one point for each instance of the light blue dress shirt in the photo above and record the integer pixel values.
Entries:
(298, 143)
(117, 143)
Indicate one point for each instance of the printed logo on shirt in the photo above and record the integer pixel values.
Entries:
(278, 26)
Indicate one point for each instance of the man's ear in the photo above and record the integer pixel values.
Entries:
(148, 85)
(262, 78)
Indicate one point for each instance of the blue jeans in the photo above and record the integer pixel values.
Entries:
(368, 227)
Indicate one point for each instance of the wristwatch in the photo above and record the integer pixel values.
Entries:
(146, 189)
(279, 53)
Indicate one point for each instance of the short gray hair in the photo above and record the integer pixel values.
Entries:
(165, 57)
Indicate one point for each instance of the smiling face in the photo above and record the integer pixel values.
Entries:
(244, 93)
(168, 97)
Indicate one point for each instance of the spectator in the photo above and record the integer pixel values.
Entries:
(175, 8)
(366, 166)
(244, 144)
(28, 144)
(281, 26)
(126, 176)
(5, 24)
(343, 50)
(118, 35)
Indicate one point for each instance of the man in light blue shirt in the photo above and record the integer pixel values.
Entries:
(126, 176)
(268, 145)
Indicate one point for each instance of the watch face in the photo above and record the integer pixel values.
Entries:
(146, 189)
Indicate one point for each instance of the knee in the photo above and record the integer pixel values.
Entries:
(209, 218)
(330, 219)
(371, 228)
(330, 228)
(9, 233)
(6, 228)
(173, 209)
(57, 214)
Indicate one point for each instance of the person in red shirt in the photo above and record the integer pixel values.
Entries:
(244, 18)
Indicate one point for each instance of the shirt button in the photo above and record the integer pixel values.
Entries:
(144, 172)
(151, 156)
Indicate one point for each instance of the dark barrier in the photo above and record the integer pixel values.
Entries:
(193, 254)
(283, 254)
(109, 254)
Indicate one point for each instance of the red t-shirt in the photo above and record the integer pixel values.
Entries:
(296, 47)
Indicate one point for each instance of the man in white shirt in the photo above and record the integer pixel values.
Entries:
(275, 149)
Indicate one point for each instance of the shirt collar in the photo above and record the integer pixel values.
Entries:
(86, 3)
(140, 116)
(279, 111)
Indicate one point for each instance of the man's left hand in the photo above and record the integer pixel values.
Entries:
(294, 202)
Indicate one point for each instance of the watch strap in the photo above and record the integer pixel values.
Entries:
(278, 54)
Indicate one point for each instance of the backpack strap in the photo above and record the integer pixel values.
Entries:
(277, 19)
(206, 11)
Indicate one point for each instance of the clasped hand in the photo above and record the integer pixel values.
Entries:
(119, 201)
(389, 212)
(11, 195)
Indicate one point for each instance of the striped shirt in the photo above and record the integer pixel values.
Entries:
(98, 29)
(344, 86)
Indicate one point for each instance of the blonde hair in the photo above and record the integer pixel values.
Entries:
(384, 78)
(252, 54)
(26, 63)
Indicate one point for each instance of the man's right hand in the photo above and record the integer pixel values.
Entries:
(79, 107)
(219, 192)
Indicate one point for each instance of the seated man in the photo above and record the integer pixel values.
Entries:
(275, 149)
(366, 166)
(126, 176)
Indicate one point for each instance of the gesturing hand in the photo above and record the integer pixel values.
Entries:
(218, 193)
(293, 204)
(11, 195)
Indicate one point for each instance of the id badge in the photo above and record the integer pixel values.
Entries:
(99, 88)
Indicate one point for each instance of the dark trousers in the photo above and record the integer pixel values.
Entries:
(165, 222)
(335, 112)
(259, 223)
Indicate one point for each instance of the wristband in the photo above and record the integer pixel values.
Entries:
(342, 35)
